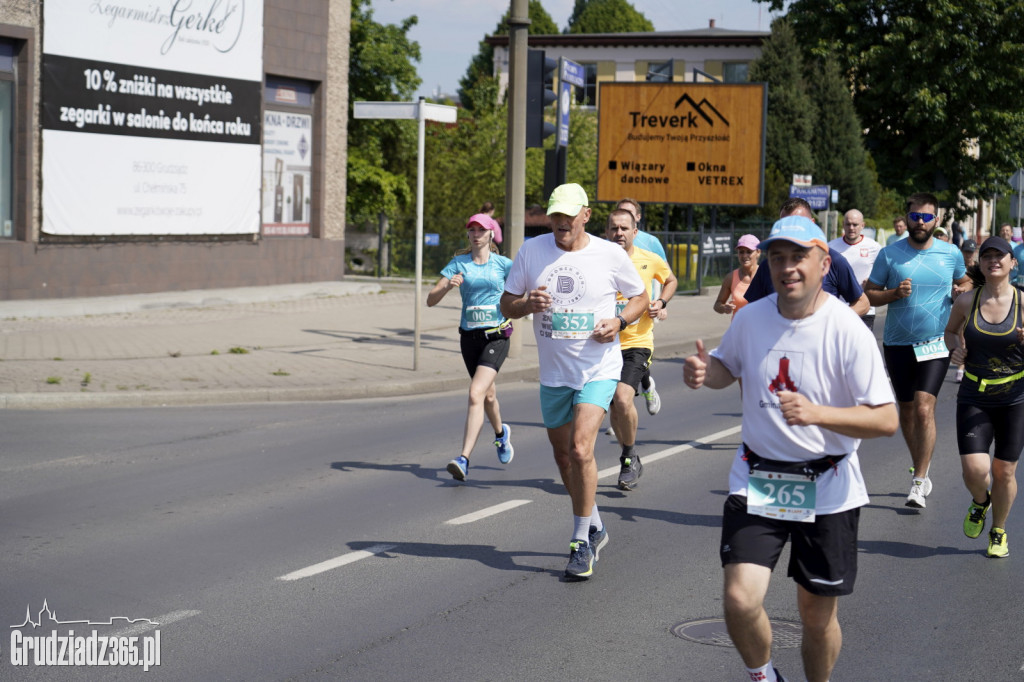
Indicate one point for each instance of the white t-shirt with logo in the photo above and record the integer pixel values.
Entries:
(861, 257)
(582, 285)
(831, 358)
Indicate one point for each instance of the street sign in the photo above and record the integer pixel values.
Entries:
(432, 239)
(682, 143)
(564, 102)
(1017, 181)
(801, 180)
(569, 74)
(717, 245)
(572, 73)
(815, 195)
(421, 112)
(407, 110)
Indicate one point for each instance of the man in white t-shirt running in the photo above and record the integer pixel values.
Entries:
(859, 251)
(813, 386)
(569, 281)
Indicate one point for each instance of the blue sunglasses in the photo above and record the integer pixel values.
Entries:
(921, 217)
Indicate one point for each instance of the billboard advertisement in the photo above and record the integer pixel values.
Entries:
(682, 143)
(151, 117)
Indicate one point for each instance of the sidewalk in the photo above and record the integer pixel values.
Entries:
(320, 341)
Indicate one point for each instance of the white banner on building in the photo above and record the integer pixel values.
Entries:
(287, 172)
(151, 117)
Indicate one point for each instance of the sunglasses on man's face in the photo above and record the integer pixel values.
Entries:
(921, 217)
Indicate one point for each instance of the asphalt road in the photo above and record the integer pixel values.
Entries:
(326, 541)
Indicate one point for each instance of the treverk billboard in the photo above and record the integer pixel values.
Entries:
(682, 143)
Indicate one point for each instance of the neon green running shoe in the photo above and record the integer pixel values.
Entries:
(997, 545)
(974, 522)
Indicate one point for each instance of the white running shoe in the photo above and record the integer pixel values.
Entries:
(652, 398)
(916, 496)
(926, 488)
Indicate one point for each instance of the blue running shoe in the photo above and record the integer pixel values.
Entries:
(597, 539)
(504, 445)
(581, 561)
(459, 468)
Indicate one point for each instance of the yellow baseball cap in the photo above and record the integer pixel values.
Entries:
(567, 199)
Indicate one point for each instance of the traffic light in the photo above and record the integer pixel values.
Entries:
(539, 94)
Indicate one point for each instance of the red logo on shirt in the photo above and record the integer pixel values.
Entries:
(782, 382)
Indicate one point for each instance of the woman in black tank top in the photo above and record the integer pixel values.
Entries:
(985, 332)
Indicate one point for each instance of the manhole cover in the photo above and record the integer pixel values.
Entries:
(786, 634)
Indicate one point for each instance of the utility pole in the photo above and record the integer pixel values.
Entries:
(515, 166)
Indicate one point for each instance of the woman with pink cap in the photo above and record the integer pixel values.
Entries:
(479, 273)
(737, 281)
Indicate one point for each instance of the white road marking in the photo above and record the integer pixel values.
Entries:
(489, 511)
(352, 557)
(336, 562)
(158, 622)
(668, 452)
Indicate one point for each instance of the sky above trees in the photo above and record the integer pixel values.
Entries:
(449, 31)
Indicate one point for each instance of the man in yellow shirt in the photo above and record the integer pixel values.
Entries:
(636, 340)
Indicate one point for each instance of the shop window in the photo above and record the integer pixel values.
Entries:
(287, 157)
(7, 80)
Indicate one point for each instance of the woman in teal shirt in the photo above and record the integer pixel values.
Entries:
(479, 273)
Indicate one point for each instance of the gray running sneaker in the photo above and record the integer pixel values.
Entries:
(652, 399)
(581, 561)
(597, 539)
(630, 473)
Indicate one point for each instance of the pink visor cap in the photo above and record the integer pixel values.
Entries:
(748, 241)
(488, 223)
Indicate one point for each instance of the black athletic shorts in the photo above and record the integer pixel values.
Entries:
(636, 364)
(823, 554)
(977, 427)
(908, 376)
(478, 351)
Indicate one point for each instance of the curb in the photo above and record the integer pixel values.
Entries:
(60, 401)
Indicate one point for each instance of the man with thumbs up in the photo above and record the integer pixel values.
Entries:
(814, 385)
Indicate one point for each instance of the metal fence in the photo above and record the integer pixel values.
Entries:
(705, 253)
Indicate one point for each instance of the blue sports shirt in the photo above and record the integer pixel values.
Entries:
(648, 242)
(922, 316)
(481, 289)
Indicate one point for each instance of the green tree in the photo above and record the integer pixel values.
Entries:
(607, 16)
(480, 73)
(381, 153)
(464, 167)
(789, 129)
(840, 159)
(935, 85)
